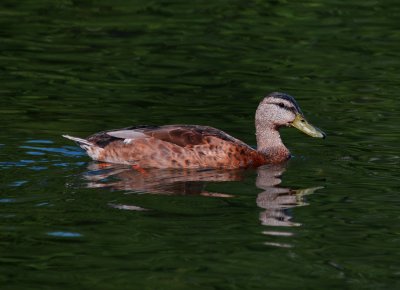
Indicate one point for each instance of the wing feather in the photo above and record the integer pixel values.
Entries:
(181, 135)
(127, 134)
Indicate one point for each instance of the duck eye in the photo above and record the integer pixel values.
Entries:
(281, 105)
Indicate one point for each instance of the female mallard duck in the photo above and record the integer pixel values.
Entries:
(192, 146)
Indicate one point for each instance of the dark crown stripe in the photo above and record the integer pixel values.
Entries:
(287, 98)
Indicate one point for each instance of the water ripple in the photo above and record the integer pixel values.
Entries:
(62, 234)
(66, 151)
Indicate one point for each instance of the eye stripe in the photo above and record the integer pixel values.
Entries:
(283, 106)
(279, 97)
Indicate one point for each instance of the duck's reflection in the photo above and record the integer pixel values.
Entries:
(277, 200)
(274, 199)
(156, 181)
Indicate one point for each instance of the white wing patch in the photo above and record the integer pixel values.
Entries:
(128, 135)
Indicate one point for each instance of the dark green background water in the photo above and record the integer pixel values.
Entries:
(79, 67)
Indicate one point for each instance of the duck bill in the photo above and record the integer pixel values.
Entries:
(301, 123)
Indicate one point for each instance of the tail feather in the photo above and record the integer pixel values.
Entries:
(83, 143)
(94, 151)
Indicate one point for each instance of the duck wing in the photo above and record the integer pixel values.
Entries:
(181, 135)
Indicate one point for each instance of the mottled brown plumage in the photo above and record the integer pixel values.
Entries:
(176, 146)
(192, 146)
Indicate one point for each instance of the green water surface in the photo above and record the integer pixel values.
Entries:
(328, 219)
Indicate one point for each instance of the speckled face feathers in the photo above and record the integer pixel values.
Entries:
(276, 110)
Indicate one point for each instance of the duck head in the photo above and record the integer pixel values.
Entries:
(278, 110)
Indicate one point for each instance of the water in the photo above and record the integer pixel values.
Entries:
(326, 220)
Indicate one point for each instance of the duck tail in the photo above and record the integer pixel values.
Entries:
(83, 143)
(94, 151)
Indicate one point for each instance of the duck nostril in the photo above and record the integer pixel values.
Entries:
(302, 120)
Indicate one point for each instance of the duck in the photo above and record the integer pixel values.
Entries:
(201, 147)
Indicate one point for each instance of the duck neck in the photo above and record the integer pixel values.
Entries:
(270, 144)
